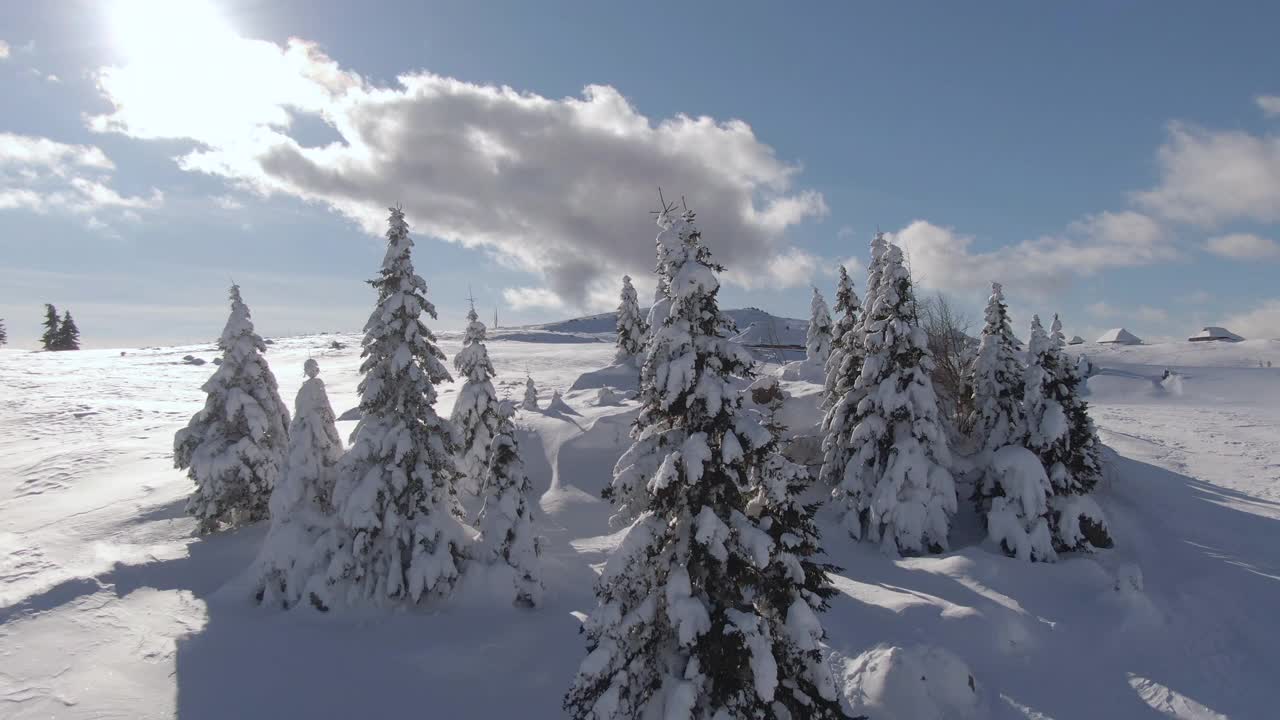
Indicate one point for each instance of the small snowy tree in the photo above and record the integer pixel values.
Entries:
(397, 538)
(49, 340)
(703, 611)
(234, 448)
(530, 401)
(817, 339)
(1062, 436)
(897, 488)
(631, 325)
(506, 520)
(302, 501)
(476, 411)
(68, 334)
(4, 336)
(1019, 516)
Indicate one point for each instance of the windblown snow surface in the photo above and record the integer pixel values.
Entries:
(109, 607)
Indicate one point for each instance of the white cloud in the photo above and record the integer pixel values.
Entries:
(1261, 322)
(4, 50)
(943, 259)
(227, 202)
(31, 152)
(1142, 313)
(1209, 177)
(560, 187)
(40, 174)
(1270, 105)
(1243, 246)
(523, 298)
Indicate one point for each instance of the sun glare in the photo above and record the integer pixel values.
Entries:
(152, 30)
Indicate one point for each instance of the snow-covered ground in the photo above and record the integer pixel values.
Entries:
(110, 608)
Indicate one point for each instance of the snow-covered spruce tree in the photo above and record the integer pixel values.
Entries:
(301, 505)
(671, 228)
(530, 400)
(397, 538)
(506, 520)
(655, 429)
(817, 339)
(847, 317)
(840, 397)
(476, 411)
(234, 448)
(4, 336)
(49, 340)
(1061, 434)
(897, 488)
(68, 334)
(998, 384)
(631, 325)
(704, 613)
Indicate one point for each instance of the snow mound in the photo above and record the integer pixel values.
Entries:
(918, 683)
(606, 396)
(558, 406)
(623, 377)
(804, 371)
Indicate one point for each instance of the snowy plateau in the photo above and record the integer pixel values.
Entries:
(110, 606)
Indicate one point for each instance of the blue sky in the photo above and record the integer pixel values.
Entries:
(1118, 162)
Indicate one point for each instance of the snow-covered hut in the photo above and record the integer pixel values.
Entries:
(1075, 340)
(1214, 333)
(1119, 336)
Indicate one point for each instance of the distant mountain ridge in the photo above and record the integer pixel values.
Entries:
(755, 326)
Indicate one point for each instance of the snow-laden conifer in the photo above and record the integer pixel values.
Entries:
(297, 544)
(397, 539)
(476, 411)
(840, 395)
(506, 520)
(817, 339)
(631, 325)
(897, 488)
(704, 612)
(49, 340)
(848, 317)
(1019, 516)
(997, 380)
(530, 400)
(654, 429)
(1061, 434)
(234, 448)
(4, 336)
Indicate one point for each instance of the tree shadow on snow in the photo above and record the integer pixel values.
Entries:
(1085, 637)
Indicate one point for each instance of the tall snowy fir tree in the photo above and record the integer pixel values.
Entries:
(297, 544)
(848, 318)
(506, 520)
(530, 399)
(897, 488)
(68, 334)
(397, 538)
(631, 325)
(653, 431)
(476, 411)
(1014, 487)
(998, 382)
(49, 340)
(817, 339)
(234, 448)
(704, 612)
(1061, 435)
(840, 396)
(4, 336)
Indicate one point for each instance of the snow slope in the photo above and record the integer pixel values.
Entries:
(110, 608)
